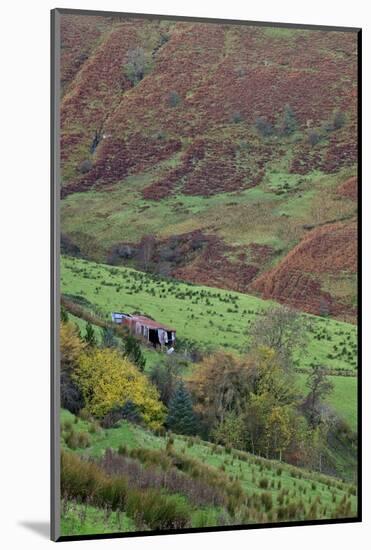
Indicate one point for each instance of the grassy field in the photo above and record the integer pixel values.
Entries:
(343, 398)
(256, 476)
(78, 519)
(95, 221)
(209, 316)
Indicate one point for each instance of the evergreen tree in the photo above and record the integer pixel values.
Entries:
(89, 337)
(133, 352)
(288, 124)
(181, 417)
(108, 338)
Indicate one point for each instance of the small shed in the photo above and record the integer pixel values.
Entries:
(150, 330)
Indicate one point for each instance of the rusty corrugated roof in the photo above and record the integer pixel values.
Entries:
(150, 323)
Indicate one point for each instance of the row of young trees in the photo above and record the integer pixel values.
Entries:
(287, 124)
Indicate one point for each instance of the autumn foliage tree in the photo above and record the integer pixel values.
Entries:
(71, 347)
(220, 384)
(283, 330)
(108, 380)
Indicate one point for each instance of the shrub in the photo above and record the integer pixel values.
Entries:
(107, 380)
(338, 119)
(87, 482)
(267, 501)
(174, 99)
(129, 411)
(137, 65)
(313, 137)
(71, 395)
(288, 123)
(75, 440)
(85, 166)
(132, 351)
(236, 117)
(264, 483)
(263, 126)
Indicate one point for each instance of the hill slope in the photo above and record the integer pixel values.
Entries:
(219, 487)
(202, 154)
(103, 289)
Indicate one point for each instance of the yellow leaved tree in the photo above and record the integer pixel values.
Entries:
(108, 380)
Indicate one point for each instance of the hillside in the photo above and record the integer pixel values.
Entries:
(319, 274)
(221, 164)
(211, 485)
(102, 289)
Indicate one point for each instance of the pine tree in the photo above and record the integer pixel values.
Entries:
(133, 352)
(288, 124)
(89, 337)
(181, 417)
(108, 338)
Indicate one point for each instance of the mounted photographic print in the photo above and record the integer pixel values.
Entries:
(205, 178)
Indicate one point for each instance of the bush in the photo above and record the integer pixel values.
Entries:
(264, 483)
(267, 501)
(338, 119)
(313, 137)
(85, 166)
(174, 99)
(236, 117)
(137, 65)
(71, 395)
(288, 123)
(263, 126)
(127, 412)
(106, 379)
(336, 122)
(87, 482)
(76, 440)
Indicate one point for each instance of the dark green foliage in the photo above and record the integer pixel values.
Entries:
(108, 338)
(127, 412)
(64, 314)
(132, 351)
(264, 483)
(71, 396)
(181, 417)
(89, 336)
(336, 122)
(338, 119)
(165, 376)
(288, 123)
(313, 137)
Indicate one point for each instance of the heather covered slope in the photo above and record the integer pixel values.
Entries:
(319, 274)
(203, 156)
